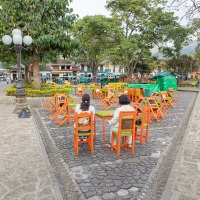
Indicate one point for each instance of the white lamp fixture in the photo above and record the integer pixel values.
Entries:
(7, 40)
(27, 40)
(16, 31)
(17, 39)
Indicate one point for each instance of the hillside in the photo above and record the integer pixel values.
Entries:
(188, 50)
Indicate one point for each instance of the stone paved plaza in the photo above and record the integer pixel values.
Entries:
(106, 176)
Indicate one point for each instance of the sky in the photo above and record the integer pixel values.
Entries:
(97, 7)
(89, 7)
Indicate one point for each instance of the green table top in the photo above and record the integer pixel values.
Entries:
(72, 104)
(105, 113)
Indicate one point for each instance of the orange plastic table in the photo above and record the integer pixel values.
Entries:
(103, 115)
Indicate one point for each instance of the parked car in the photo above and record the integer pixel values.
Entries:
(3, 78)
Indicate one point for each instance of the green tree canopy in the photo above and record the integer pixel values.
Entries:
(182, 64)
(47, 22)
(145, 24)
(96, 35)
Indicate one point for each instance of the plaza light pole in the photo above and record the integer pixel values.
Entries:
(18, 46)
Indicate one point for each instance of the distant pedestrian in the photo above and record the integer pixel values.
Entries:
(7, 80)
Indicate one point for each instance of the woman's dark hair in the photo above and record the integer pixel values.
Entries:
(124, 100)
(85, 102)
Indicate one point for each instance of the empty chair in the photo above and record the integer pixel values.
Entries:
(79, 91)
(97, 93)
(142, 127)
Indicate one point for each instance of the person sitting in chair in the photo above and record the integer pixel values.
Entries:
(124, 102)
(85, 107)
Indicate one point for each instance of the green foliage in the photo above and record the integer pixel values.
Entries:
(145, 24)
(182, 64)
(47, 22)
(11, 91)
(96, 35)
(39, 93)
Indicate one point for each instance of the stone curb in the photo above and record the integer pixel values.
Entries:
(71, 188)
(155, 183)
(167, 194)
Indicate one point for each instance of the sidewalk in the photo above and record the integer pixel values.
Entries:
(25, 172)
(184, 179)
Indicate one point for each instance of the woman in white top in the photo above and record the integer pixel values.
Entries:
(84, 107)
(124, 102)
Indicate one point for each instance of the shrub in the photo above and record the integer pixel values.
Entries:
(39, 93)
(11, 91)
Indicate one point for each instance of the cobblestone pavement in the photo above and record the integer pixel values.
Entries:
(106, 176)
(102, 175)
(184, 179)
(25, 171)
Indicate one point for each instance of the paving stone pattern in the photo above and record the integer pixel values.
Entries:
(106, 176)
(184, 179)
(25, 171)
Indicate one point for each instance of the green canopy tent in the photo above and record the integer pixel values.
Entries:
(165, 80)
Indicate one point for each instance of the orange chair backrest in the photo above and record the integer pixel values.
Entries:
(110, 91)
(98, 89)
(127, 121)
(61, 98)
(126, 91)
(84, 121)
(146, 114)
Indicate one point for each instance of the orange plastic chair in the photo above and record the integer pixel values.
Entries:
(138, 94)
(97, 94)
(84, 127)
(155, 111)
(126, 129)
(166, 99)
(79, 91)
(106, 102)
(132, 94)
(50, 102)
(61, 115)
(175, 95)
(144, 126)
(59, 101)
(127, 92)
(163, 108)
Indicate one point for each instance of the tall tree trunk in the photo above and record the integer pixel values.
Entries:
(130, 73)
(36, 74)
(94, 73)
(26, 74)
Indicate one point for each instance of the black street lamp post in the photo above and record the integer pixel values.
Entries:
(17, 40)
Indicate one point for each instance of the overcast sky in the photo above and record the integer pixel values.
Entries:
(89, 7)
(97, 7)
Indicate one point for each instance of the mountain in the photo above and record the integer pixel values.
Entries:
(186, 50)
(190, 48)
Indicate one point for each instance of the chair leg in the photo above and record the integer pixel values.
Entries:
(92, 144)
(118, 146)
(141, 135)
(147, 134)
(112, 142)
(76, 144)
(133, 144)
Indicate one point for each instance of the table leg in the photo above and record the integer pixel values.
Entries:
(95, 128)
(103, 133)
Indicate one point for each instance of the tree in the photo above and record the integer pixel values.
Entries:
(144, 25)
(191, 7)
(47, 22)
(183, 64)
(96, 35)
